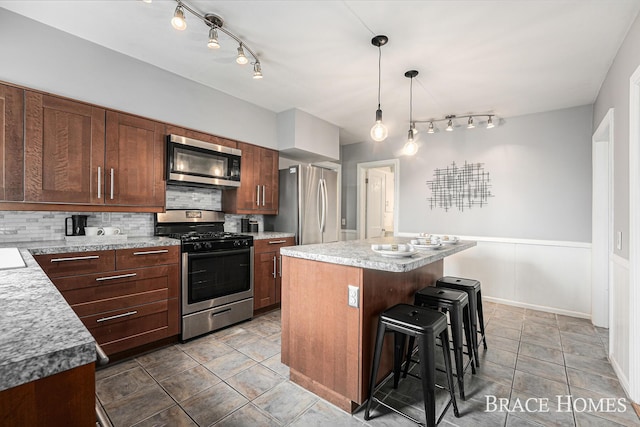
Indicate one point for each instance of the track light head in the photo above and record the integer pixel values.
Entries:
(449, 126)
(213, 39)
(241, 58)
(257, 71)
(431, 128)
(490, 124)
(178, 21)
(470, 124)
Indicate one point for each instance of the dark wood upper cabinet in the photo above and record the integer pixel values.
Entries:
(134, 174)
(64, 150)
(258, 192)
(11, 143)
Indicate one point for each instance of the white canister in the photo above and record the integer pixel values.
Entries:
(110, 231)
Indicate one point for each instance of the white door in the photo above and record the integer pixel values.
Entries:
(375, 203)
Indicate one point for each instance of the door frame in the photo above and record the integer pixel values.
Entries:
(601, 301)
(634, 235)
(361, 194)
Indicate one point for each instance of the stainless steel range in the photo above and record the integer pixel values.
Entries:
(217, 270)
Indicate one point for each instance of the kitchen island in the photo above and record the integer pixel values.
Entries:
(328, 334)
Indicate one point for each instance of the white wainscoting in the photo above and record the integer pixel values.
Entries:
(619, 315)
(542, 275)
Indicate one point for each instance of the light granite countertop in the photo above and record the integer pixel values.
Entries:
(265, 235)
(358, 253)
(40, 335)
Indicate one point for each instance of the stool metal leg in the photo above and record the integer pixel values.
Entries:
(399, 340)
(428, 377)
(481, 320)
(412, 341)
(444, 337)
(473, 353)
(456, 326)
(376, 363)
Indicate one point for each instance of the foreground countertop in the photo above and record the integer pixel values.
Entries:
(40, 335)
(358, 253)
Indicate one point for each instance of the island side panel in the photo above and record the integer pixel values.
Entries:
(320, 332)
(381, 290)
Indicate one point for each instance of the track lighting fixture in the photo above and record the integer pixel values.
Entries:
(471, 123)
(411, 148)
(257, 71)
(379, 131)
(241, 58)
(213, 39)
(215, 24)
(178, 22)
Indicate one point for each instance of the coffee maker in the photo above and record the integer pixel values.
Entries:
(77, 225)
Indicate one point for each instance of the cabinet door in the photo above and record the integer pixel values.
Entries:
(64, 150)
(11, 143)
(268, 181)
(264, 282)
(247, 194)
(134, 172)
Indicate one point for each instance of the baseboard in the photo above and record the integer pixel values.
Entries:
(624, 381)
(537, 307)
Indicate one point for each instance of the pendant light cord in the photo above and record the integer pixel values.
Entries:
(379, 73)
(411, 104)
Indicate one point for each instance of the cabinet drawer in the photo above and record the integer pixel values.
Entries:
(96, 287)
(119, 303)
(270, 245)
(74, 263)
(147, 257)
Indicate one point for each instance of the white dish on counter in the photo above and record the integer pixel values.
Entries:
(394, 251)
(427, 246)
(11, 258)
(449, 240)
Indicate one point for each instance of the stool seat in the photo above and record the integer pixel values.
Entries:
(473, 288)
(443, 295)
(412, 318)
(423, 325)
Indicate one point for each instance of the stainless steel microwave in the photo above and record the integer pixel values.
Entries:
(201, 164)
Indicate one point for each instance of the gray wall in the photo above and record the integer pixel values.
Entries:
(43, 58)
(540, 170)
(614, 93)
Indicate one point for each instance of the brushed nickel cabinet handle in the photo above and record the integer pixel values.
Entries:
(117, 316)
(276, 242)
(111, 183)
(75, 258)
(119, 276)
(161, 251)
(280, 259)
(99, 181)
(264, 192)
(274, 267)
(257, 195)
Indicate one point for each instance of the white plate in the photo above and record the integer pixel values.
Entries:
(451, 241)
(422, 247)
(394, 254)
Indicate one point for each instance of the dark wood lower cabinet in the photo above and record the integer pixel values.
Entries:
(267, 272)
(126, 298)
(64, 399)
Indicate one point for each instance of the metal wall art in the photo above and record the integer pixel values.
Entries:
(460, 187)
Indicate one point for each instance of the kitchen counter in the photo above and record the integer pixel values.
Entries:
(358, 253)
(264, 235)
(41, 335)
(332, 297)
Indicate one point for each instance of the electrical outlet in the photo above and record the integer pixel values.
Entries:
(344, 221)
(106, 217)
(354, 296)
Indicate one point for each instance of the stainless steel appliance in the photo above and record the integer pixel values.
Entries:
(217, 270)
(308, 204)
(201, 164)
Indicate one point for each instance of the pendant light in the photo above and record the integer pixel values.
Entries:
(411, 148)
(379, 131)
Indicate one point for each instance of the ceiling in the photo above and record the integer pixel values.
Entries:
(506, 57)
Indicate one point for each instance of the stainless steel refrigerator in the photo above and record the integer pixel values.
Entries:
(308, 204)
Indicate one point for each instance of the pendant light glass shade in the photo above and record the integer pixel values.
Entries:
(178, 22)
(410, 148)
(379, 131)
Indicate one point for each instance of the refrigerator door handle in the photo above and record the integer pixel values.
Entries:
(319, 196)
(323, 184)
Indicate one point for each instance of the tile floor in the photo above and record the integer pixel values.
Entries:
(234, 378)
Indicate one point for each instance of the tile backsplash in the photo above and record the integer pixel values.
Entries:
(25, 226)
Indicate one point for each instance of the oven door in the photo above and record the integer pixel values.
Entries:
(214, 278)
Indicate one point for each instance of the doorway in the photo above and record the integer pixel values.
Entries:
(602, 221)
(377, 201)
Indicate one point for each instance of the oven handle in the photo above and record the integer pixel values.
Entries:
(218, 253)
